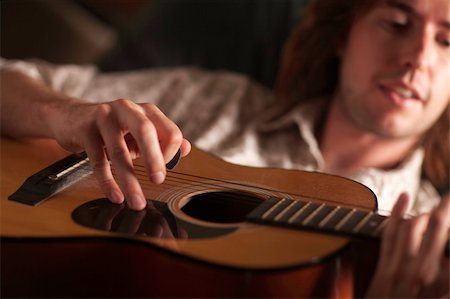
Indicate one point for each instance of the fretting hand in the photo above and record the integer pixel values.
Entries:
(412, 263)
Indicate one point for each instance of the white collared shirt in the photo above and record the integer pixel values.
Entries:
(222, 112)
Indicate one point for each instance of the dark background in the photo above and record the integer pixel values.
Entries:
(239, 35)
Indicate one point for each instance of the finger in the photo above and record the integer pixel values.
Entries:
(185, 148)
(388, 240)
(132, 117)
(94, 148)
(434, 241)
(169, 135)
(407, 241)
(384, 274)
(119, 154)
(401, 206)
(440, 288)
(405, 254)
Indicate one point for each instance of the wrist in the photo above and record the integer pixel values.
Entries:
(57, 118)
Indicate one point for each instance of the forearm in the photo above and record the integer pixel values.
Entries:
(29, 108)
(112, 132)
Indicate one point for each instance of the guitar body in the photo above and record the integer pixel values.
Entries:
(46, 251)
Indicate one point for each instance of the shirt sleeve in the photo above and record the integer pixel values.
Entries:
(209, 106)
(72, 80)
(212, 108)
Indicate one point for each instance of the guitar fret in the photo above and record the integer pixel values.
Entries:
(280, 209)
(362, 222)
(290, 220)
(322, 214)
(291, 211)
(287, 210)
(352, 221)
(274, 209)
(343, 220)
(339, 214)
(307, 219)
(328, 217)
(372, 224)
(304, 213)
(263, 208)
(297, 214)
(380, 227)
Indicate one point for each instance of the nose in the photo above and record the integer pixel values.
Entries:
(420, 50)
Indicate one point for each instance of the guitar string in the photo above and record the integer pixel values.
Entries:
(174, 182)
(210, 196)
(144, 181)
(218, 184)
(237, 184)
(173, 176)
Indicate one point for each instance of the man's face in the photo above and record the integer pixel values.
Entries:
(395, 72)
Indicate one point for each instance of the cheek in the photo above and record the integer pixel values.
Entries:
(353, 71)
(439, 101)
(360, 60)
(441, 87)
(440, 105)
(446, 80)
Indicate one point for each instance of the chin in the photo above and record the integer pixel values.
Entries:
(395, 129)
(397, 132)
(398, 126)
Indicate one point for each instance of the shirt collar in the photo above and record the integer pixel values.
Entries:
(305, 116)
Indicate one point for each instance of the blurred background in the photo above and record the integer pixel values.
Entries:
(240, 35)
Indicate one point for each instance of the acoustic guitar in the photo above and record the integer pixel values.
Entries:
(212, 229)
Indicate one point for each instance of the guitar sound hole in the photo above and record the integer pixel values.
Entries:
(221, 207)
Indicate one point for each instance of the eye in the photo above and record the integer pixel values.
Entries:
(444, 42)
(394, 21)
(395, 26)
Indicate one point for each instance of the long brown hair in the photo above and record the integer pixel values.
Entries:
(310, 68)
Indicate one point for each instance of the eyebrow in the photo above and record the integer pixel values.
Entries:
(410, 10)
(401, 5)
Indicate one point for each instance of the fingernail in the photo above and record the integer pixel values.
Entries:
(157, 177)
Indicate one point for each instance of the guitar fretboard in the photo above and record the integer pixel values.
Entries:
(319, 217)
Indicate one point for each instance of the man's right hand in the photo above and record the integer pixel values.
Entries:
(118, 132)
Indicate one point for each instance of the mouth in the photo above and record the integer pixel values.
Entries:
(401, 95)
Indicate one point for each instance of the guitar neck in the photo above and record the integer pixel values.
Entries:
(334, 219)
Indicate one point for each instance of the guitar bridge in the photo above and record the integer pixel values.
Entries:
(52, 179)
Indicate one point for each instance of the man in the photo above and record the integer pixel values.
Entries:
(378, 75)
